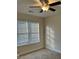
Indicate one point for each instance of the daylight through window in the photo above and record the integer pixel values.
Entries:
(27, 32)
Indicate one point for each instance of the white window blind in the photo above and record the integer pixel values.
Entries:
(27, 32)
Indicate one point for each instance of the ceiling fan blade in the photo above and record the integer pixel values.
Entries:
(34, 6)
(41, 11)
(52, 9)
(56, 3)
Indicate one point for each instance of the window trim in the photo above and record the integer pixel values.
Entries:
(29, 32)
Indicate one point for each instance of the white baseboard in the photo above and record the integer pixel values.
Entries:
(56, 50)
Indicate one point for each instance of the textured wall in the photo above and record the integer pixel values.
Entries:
(53, 32)
(29, 48)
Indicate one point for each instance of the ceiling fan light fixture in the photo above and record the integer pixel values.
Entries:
(45, 8)
(45, 5)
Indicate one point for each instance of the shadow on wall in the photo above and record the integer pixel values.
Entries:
(50, 37)
(52, 42)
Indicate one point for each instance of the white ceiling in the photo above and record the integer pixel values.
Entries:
(23, 7)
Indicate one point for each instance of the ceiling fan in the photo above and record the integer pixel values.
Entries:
(45, 5)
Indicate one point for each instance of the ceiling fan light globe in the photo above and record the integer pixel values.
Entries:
(45, 8)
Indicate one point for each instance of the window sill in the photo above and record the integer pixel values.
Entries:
(22, 44)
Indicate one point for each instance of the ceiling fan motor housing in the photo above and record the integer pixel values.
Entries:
(44, 2)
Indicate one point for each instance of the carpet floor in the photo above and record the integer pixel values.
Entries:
(42, 54)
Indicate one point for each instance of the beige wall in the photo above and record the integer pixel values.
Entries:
(50, 31)
(29, 48)
(53, 32)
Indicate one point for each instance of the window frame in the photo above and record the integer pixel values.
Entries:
(29, 34)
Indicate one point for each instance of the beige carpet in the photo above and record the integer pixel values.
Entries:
(42, 54)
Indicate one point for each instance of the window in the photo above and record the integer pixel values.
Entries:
(27, 32)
